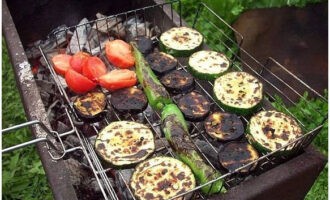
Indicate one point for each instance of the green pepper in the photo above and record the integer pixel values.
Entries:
(157, 95)
(176, 132)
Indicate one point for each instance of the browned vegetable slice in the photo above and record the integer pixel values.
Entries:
(161, 63)
(178, 81)
(161, 178)
(224, 126)
(90, 104)
(129, 100)
(236, 154)
(124, 143)
(194, 106)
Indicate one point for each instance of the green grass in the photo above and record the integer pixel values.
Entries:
(22, 174)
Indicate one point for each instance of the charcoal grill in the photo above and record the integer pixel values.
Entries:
(275, 176)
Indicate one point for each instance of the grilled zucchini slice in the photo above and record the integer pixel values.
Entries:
(161, 63)
(238, 92)
(123, 143)
(131, 100)
(194, 106)
(236, 154)
(181, 41)
(208, 65)
(178, 81)
(224, 126)
(270, 130)
(161, 178)
(90, 104)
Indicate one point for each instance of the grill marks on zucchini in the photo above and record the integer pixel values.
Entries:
(129, 100)
(224, 126)
(90, 105)
(161, 178)
(194, 106)
(236, 154)
(270, 130)
(208, 65)
(238, 92)
(181, 41)
(178, 81)
(125, 143)
(161, 63)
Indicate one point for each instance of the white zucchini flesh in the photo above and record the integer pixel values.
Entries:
(181, 38)
(125, 142)
(161, 178)
(238, 90)
(209, 62)
(273, 129)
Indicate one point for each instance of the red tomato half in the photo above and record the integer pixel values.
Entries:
(117, 79)
(94, 68)
(119, 53)
(61, 63)
(78, 83)
(79, 60)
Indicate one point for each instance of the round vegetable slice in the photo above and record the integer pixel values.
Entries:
(236, 154)
(78, 83)
(208, 65)
(119, 53)
(181, 41)
(178, 81)
(94, 68)
(238, 92)
(79, 60)
(270, 130)
(129, 100)
(117, 79)
(125, 143)
(161, 178)
(224, 126)
(90, 104)
(161, 63)
(61, 63)
(194, 106)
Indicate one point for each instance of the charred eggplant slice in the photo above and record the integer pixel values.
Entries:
(161, 63)
(224, 126)
(236, 154)
(161, 178)
(123, 143)
(90, 104)
(178, 81)
(270, 130)
(131, 100)
(194, 106)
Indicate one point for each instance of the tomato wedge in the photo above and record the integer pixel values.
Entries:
(120, 54)
(61, 63)
(117, 79)
(79, 60)
(94, 68)
(78, 83)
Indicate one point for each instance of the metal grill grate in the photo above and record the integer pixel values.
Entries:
(164, 16)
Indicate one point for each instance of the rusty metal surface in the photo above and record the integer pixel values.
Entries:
(34, 108)
(295, 37)
(289, 181)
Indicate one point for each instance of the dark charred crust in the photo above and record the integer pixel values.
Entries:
(160, 63)
(194, 106)
(178, 81)
(236, 154)
(129, 100)
(224, 126)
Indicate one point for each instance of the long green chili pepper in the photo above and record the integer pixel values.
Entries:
(157, 95)
(176, 132)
